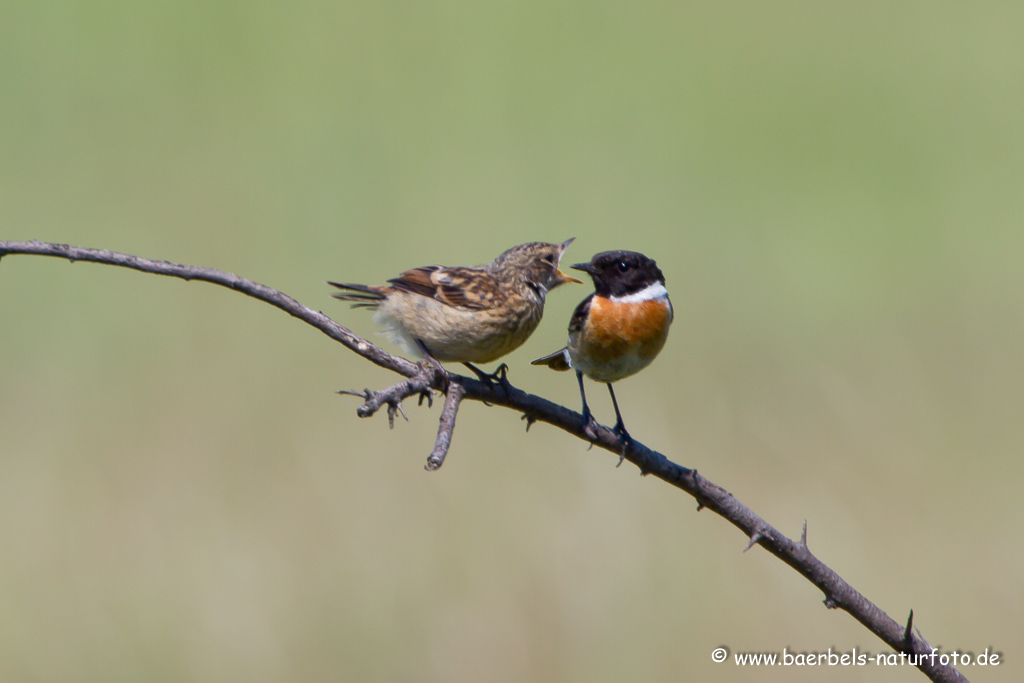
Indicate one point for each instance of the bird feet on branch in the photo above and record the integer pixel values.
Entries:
(499, 377)
(624, 438)
(590, 425)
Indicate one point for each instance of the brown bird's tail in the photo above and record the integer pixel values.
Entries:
(559, 360)
(363, 296)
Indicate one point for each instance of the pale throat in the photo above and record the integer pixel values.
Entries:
(649, 293)
(539, 289)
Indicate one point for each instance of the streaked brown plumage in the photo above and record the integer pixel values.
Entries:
(467, 315)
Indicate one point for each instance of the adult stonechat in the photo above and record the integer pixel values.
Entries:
(619, 329)
(466, 315)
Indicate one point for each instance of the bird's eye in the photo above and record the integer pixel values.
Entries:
(623, 266)
(550, 259)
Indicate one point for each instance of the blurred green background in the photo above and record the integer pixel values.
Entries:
(834, 193)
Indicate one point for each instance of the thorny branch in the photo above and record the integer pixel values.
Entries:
(422, 379)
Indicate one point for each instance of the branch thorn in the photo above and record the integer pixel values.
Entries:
(908, 633)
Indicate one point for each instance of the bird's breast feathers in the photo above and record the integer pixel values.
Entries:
(620, 337)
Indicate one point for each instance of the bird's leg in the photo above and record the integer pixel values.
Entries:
(619, 427)
(588, 418)
(429, 357)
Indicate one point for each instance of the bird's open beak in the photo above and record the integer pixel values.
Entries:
(563, 278)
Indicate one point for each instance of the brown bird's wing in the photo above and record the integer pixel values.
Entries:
(416, 281)
(459, 287)
(559, 360)
(468, 288)
(579, 316)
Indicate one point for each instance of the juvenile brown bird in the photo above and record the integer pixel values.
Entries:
(466, 315)
(619, 329)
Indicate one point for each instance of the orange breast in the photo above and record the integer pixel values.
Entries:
(621, 339)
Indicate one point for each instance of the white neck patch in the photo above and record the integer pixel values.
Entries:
(648, 293)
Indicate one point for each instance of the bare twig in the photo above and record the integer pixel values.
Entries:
(421, 383)
(838, 593)
(273, 297)
(444, 431)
